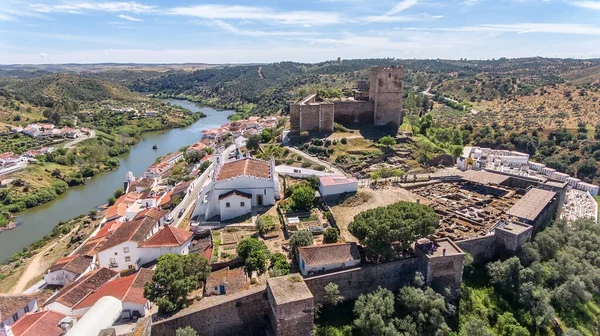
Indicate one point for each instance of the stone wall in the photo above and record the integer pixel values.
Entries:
(365, 279)
(295, 118)
(350, 112)
(386, 85)
(244, 313)
(482, 248)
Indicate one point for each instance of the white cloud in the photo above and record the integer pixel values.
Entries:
(82, 7)
(264, 14)
(129, 18)
(256, 33)
(523, 28)
(403, 18)
(43, 56)
(399, 7)
(588, 4)
(6, 17)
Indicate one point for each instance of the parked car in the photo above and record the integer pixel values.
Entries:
(181, 213)
(169, 220)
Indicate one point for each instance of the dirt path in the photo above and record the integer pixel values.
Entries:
(312, 159)
(260, 73)
(344, 213)
(38, 265)
(35, 268)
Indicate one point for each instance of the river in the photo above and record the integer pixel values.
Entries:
(34, 223)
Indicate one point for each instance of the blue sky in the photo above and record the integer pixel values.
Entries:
(176, 31)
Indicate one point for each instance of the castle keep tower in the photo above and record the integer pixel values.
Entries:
(386, 92)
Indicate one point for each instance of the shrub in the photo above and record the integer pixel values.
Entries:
(303, 197)
(330, 236)
(344, 141)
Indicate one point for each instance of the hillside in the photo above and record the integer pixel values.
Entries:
(55, 89)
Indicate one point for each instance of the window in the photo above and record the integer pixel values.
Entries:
(127, 259)
(390, 75)
(228, 205)
(265, 191)
(116, 253)
(242, 204)
(112, 263)
(16, 317)
(126, 249)
(26, 309)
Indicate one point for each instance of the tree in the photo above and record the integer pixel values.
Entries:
(375, 313)
(255, 254)
(187, 331)
(475, 327)
(303, 198)
(300, 239)
(507, 325)
(387, 141)
(330, 236)
(587, 168)
(174, 278)
(279, 265)
(253, 142)
(385, 231)
(118, 193)
(332, 294)
(194, 156)
(425, 307)
(266, 135)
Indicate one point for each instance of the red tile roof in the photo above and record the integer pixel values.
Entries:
(73, 293)
(329, 253)
(135, 230)
(108, 228)
(11, 303)
(39, 324)
(166, 198)
(92, 246)
(76, 264)
(121, 205)
(169, 236)
(245, 167)
(127, 289)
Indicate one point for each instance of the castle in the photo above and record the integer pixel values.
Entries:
(378, 102)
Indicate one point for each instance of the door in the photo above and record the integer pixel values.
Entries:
(259, 200)
(222, 289)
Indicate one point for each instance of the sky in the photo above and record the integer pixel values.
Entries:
(229, 31)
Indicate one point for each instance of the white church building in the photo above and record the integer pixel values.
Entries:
(236, 188)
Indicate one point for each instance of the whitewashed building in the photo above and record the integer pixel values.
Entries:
(335, 185)
(236, 187)
(327, 258)
(67, 269)
(12, 308)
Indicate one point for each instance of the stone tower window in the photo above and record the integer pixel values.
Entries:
(390, 75)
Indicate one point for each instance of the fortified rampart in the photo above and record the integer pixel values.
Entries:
(383, 106)
(505, 240)
(286, 305)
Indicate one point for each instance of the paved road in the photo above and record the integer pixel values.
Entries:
(317, 161)
(191, 198)
(80, 139)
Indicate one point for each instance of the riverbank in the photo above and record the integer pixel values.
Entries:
(242, 110)
(34, 223)
(43, 181)
(28, 266)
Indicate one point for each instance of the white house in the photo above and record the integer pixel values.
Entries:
(592, 189)
(129, 290)
(169, 240)
(121, 249)
(328, 257)
(335, 185)
(14, 307)
(238, 186)
(67, 269)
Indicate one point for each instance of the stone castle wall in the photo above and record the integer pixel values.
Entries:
(349, 112)
(386, 91)
(482, 248)
(243, 313)
(354, 282)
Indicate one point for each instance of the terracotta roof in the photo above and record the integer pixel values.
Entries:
(10, 304)
(336, 180)
(245, 167)
(92, 246)
(198, 146)
(121, 205)
(143, 183)
(152, 213)
(73, 293)
(135, 230)
(76, 264)
(127, 289)
(39, 324)
(181, 187)
(168, 236)
(235, 280)
(166, 198)
(108, 228)
(235, 192)
(329, 253)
